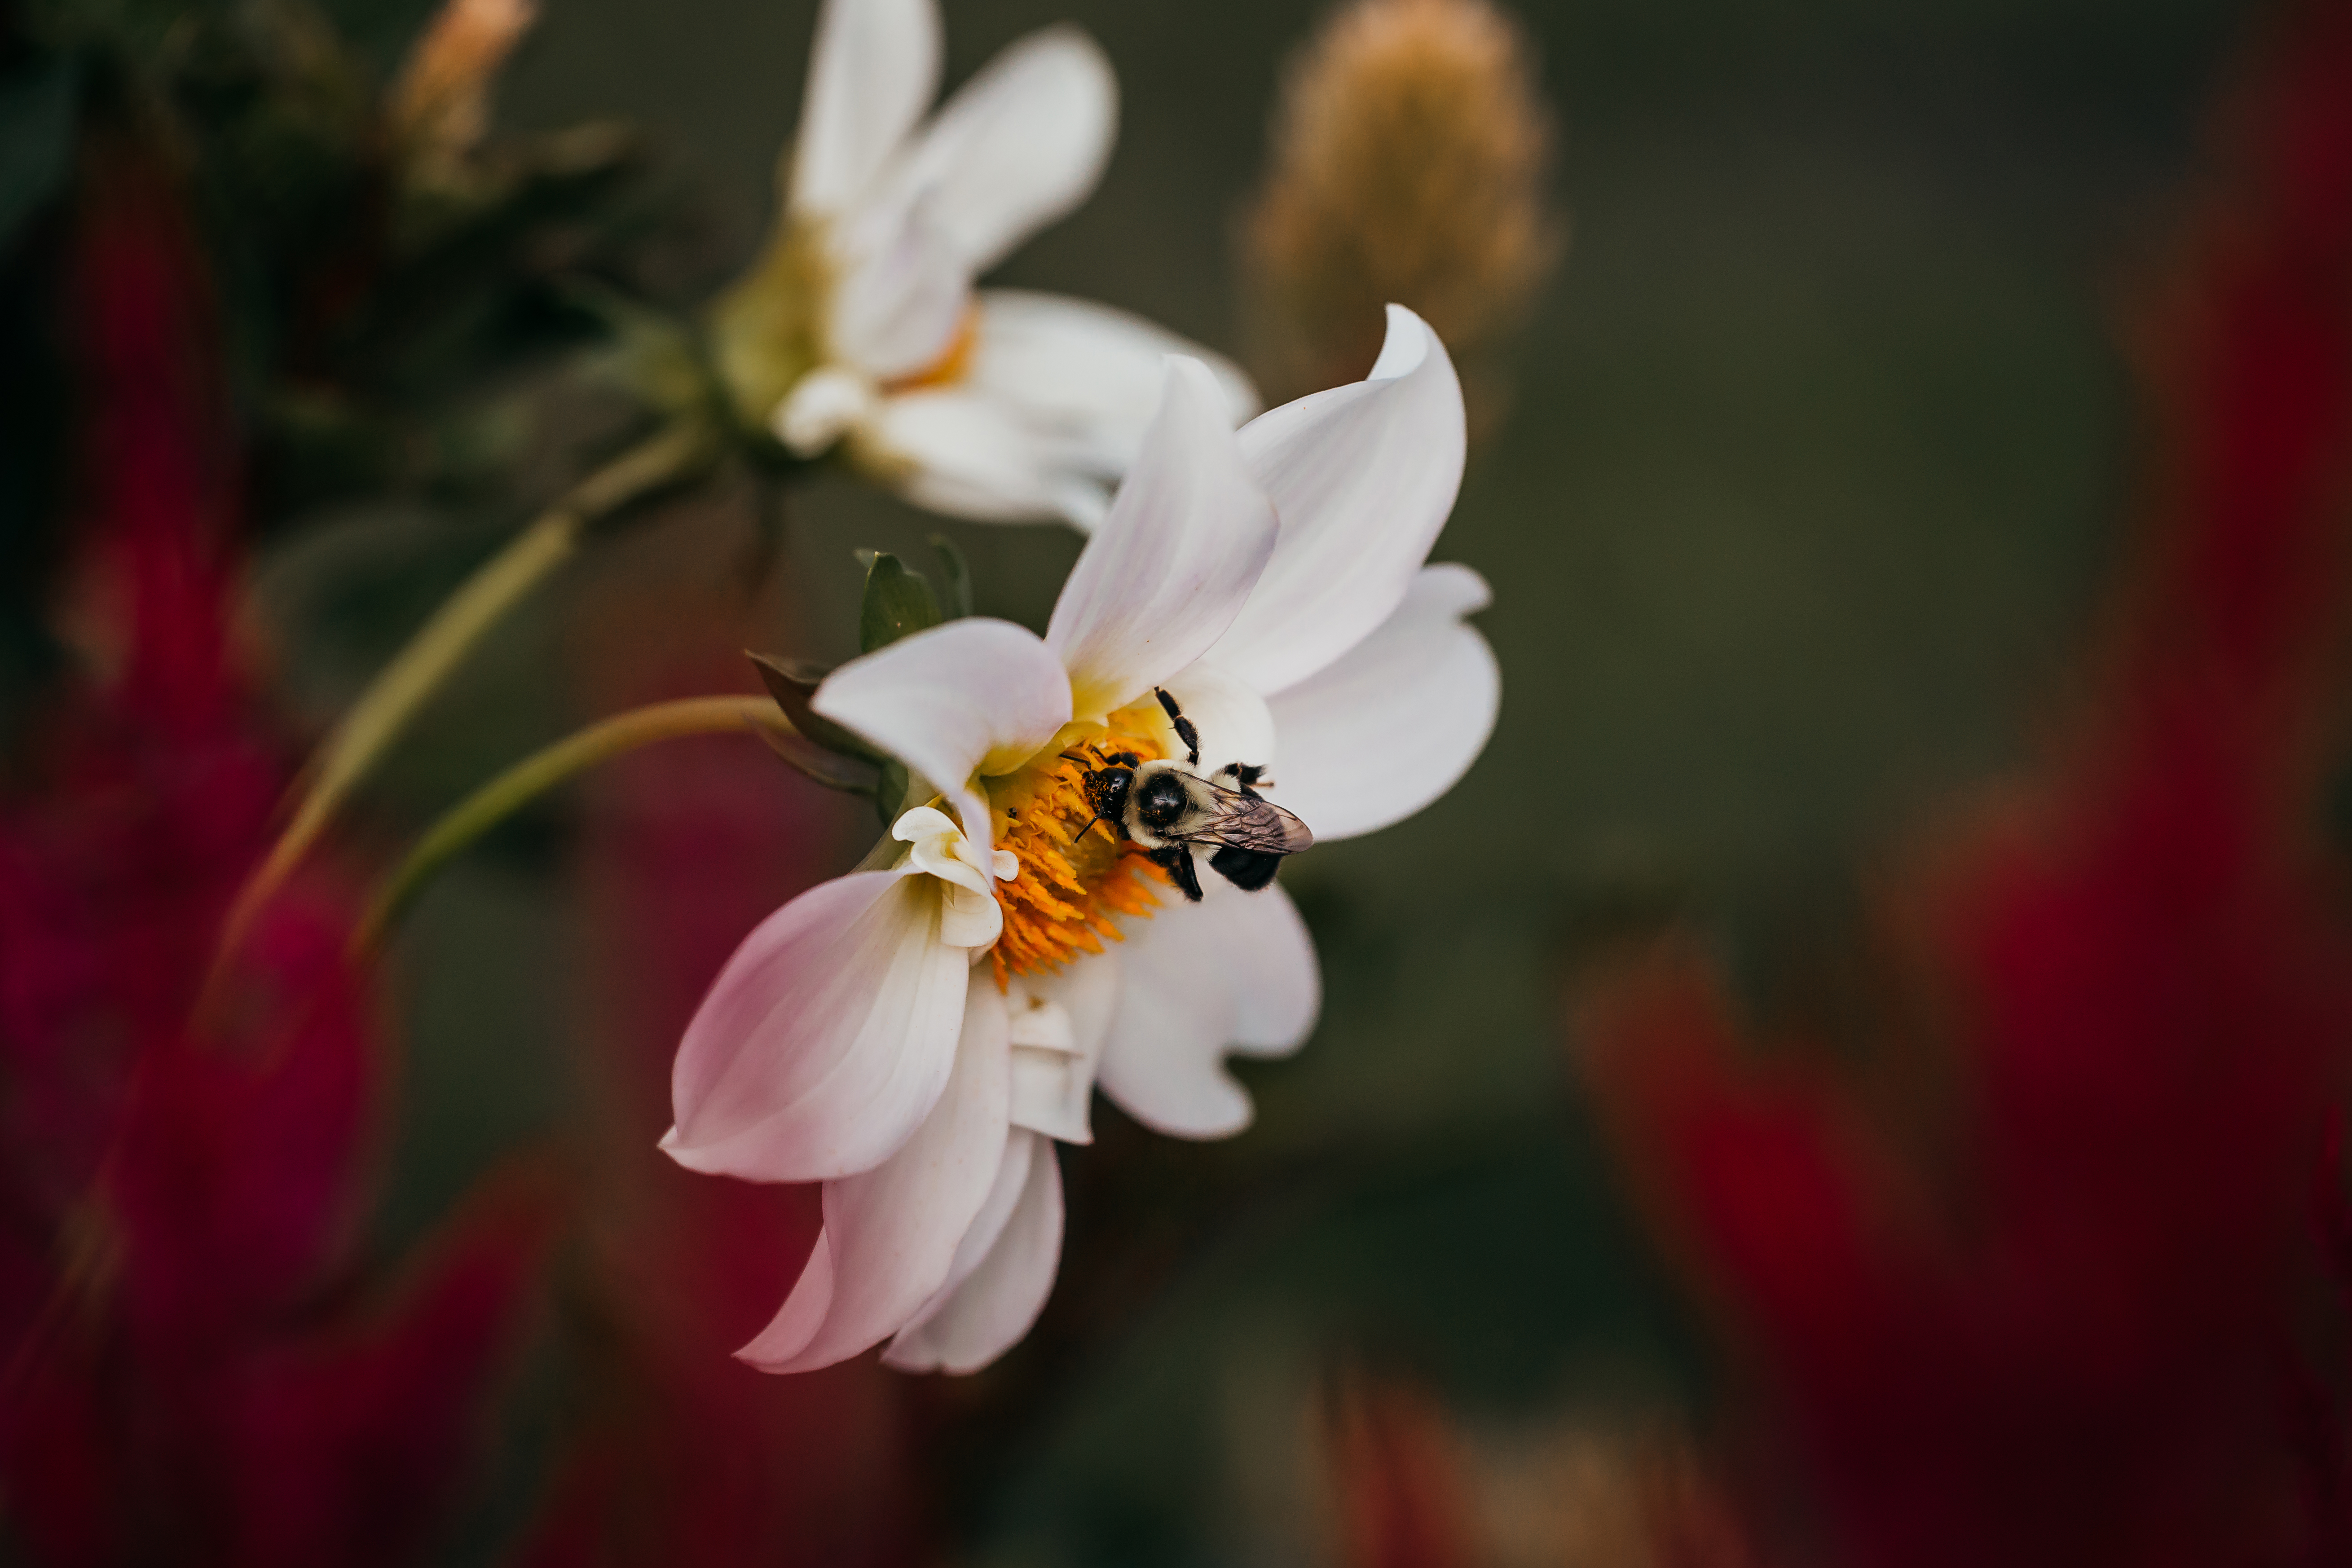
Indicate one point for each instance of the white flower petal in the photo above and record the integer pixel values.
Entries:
(873, 69)
(1398, 719)
(1059, 1023)
(1050, 1094)
(1173, 562)
(1231, 720)
(971, 921)
(967, 453)
(988, 1312)
(1045, 420)
(900, 293)
(971, 696)
(1082, 380)
(891, 1235)
(823, 406)
(1091, 373)
(1088, 990)
(1018, 145)
(1040, 1025)
(969, 917)
(1234, 972)
(1021, 1150)
(1363, 477)
(1013, 1171)
(937, 845)
(825, 1039)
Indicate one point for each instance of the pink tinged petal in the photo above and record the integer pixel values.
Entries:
(1234, 973)
(874, 67)
(975, 696)
(1059, 1023)
(988, 1312)
(1363, 477)
(891, 1236)
(1175, 558)
(1398, 719)
(1232, 720)
(901, 291)
(1021, 1153)
(1021, 1150)
(1020, 144)
(827, 1038)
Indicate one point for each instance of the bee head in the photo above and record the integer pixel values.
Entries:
(1107, 789)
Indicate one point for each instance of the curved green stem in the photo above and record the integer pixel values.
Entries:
(543, 769)
(384, 709)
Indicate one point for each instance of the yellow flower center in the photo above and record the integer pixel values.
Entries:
(1076, 873)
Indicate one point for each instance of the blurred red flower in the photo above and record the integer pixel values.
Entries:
(193, 1373)
(2064, 1309)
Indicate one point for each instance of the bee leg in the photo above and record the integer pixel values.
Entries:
(1248, 869)
(1176, 859)
(1245, 775)
(1185, 731)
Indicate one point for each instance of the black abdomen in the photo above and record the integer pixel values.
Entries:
(1248, 869)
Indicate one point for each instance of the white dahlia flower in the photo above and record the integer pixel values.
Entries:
(860, 327)
(916, 1035)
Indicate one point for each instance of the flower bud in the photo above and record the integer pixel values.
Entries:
(438, 109)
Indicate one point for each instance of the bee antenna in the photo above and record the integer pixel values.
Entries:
(1074, 756)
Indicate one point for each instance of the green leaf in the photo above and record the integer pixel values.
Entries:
(851, 775)
(899, 603)
(792, 684)
(958, 573)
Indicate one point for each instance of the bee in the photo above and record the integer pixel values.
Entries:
(1168, 806)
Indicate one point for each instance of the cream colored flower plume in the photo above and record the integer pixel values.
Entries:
(1410, 151)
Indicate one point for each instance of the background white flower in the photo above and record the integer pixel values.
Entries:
(1273, 581)
(861, 327)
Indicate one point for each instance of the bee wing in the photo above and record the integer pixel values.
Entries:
(1227, 816)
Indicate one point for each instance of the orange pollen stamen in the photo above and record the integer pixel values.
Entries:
(1075, 874)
